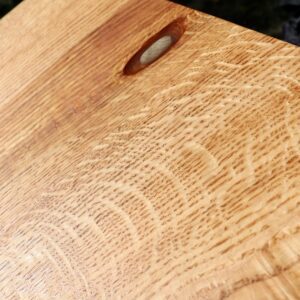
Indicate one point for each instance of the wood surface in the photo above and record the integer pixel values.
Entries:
(181, 181)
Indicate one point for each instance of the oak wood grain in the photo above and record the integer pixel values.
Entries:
(179, 182)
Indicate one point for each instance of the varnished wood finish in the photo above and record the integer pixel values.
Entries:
(179, 182)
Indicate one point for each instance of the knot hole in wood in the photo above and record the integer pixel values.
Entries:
(156, 47)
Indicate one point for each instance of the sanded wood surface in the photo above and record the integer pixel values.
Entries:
(179, 182)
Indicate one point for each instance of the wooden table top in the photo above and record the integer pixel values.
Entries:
(181, 181)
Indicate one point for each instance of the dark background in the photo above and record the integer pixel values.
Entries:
(7, 5)
(278, 18)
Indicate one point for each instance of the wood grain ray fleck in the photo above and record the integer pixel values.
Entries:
(180, 181)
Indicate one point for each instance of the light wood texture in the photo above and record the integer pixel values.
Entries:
(179, 182)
